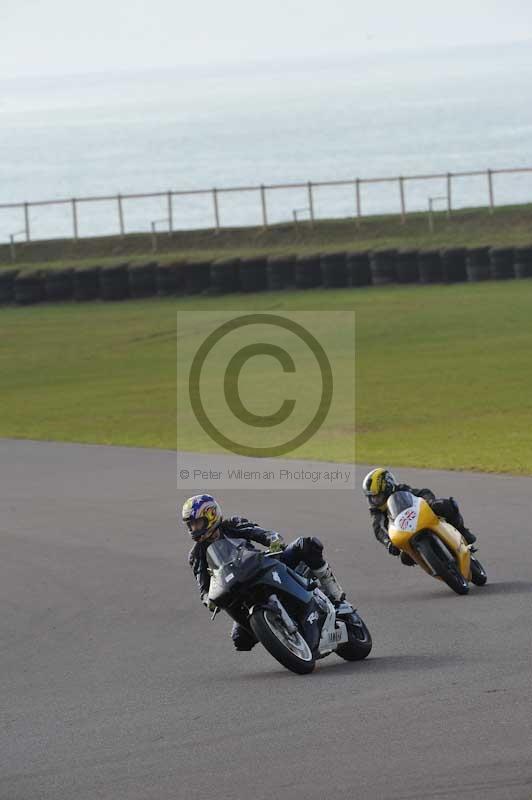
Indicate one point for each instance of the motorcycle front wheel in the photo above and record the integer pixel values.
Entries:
(289, 649)
(446, 568)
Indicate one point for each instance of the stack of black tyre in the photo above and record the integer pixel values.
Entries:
(382, 264)
(406, 266)
(308, 271)
(224, 276)
(29, 287)
(453, 260)
(358, 268)
(114, 282)
(7, 285)
(478, 264)
(333, 270)
(501, 263)
(196, 276)
(86, 283)
(229, 275)
(280, 272)
(252, 275)
(169, 279)
(142, 280)
(523, 262)
(59, 284)
(429, 266)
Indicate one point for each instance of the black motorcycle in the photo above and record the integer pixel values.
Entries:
(282, 607)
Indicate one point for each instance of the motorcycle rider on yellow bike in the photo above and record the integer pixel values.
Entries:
(380, 484)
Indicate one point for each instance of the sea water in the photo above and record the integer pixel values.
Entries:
(364, 116)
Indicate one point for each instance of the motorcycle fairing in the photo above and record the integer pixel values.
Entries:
(411, 515)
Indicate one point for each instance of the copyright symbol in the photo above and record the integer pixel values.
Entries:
(231, 393)
(184, 474)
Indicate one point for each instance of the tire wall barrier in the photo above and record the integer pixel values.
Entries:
(382, 263)
(169, 279)
(429, 266)
(224, 275)
(29, 287)
(7, 285)
(280, 272)
(59, 284)
(358, 269)
(406, 266)
(453, 261)
(501, 263)
(196, 276)
(333, 270)
(142, 280)
(114, 282)
(229, 275)
(86, 283)
(478, 264)
(308, 271)
(523, 262)
(252, 274)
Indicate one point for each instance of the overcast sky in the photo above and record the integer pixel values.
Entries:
(70, 36)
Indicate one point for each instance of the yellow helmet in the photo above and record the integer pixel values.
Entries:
(378, 485)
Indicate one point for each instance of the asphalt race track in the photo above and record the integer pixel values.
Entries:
(115, 683)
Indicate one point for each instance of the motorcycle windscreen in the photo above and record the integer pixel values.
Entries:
(399, 502)
(224, 551)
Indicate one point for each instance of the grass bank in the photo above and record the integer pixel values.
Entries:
(443, 373)
(509, 225)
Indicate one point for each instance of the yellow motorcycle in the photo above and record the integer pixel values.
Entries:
(432, 542)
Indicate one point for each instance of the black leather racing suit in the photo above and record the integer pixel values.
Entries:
(308, 550)
(442, 507)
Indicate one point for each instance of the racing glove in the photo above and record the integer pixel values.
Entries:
(392, 549)
(276, 544)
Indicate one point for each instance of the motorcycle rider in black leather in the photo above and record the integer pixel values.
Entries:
(380, 484)
(203, 517)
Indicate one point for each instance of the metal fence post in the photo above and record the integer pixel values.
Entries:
(359, 207)
(490, 189)
(153, 237)
(75, 219)
(449, 195)
(216, 210)
(431, 217)
(12, 247)
(27, 221)
(264, 209)
(120, 214)
(310, 203)
(402, 195)
(170, 214)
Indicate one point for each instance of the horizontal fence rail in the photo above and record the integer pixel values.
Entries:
(212, 220)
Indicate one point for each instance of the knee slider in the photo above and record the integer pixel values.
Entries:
(312, 549)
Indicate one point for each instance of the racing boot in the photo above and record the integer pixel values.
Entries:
(468, 536)
(328, 583)
(457, 520)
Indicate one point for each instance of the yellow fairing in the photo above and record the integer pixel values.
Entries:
(427, 520)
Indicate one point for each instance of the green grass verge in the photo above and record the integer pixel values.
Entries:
(509, 225)
(443, 373)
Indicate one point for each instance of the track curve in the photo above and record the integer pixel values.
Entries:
(115, 684)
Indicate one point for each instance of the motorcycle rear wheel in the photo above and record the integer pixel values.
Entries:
(290, 650)
(478, 573)
(359, 644)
